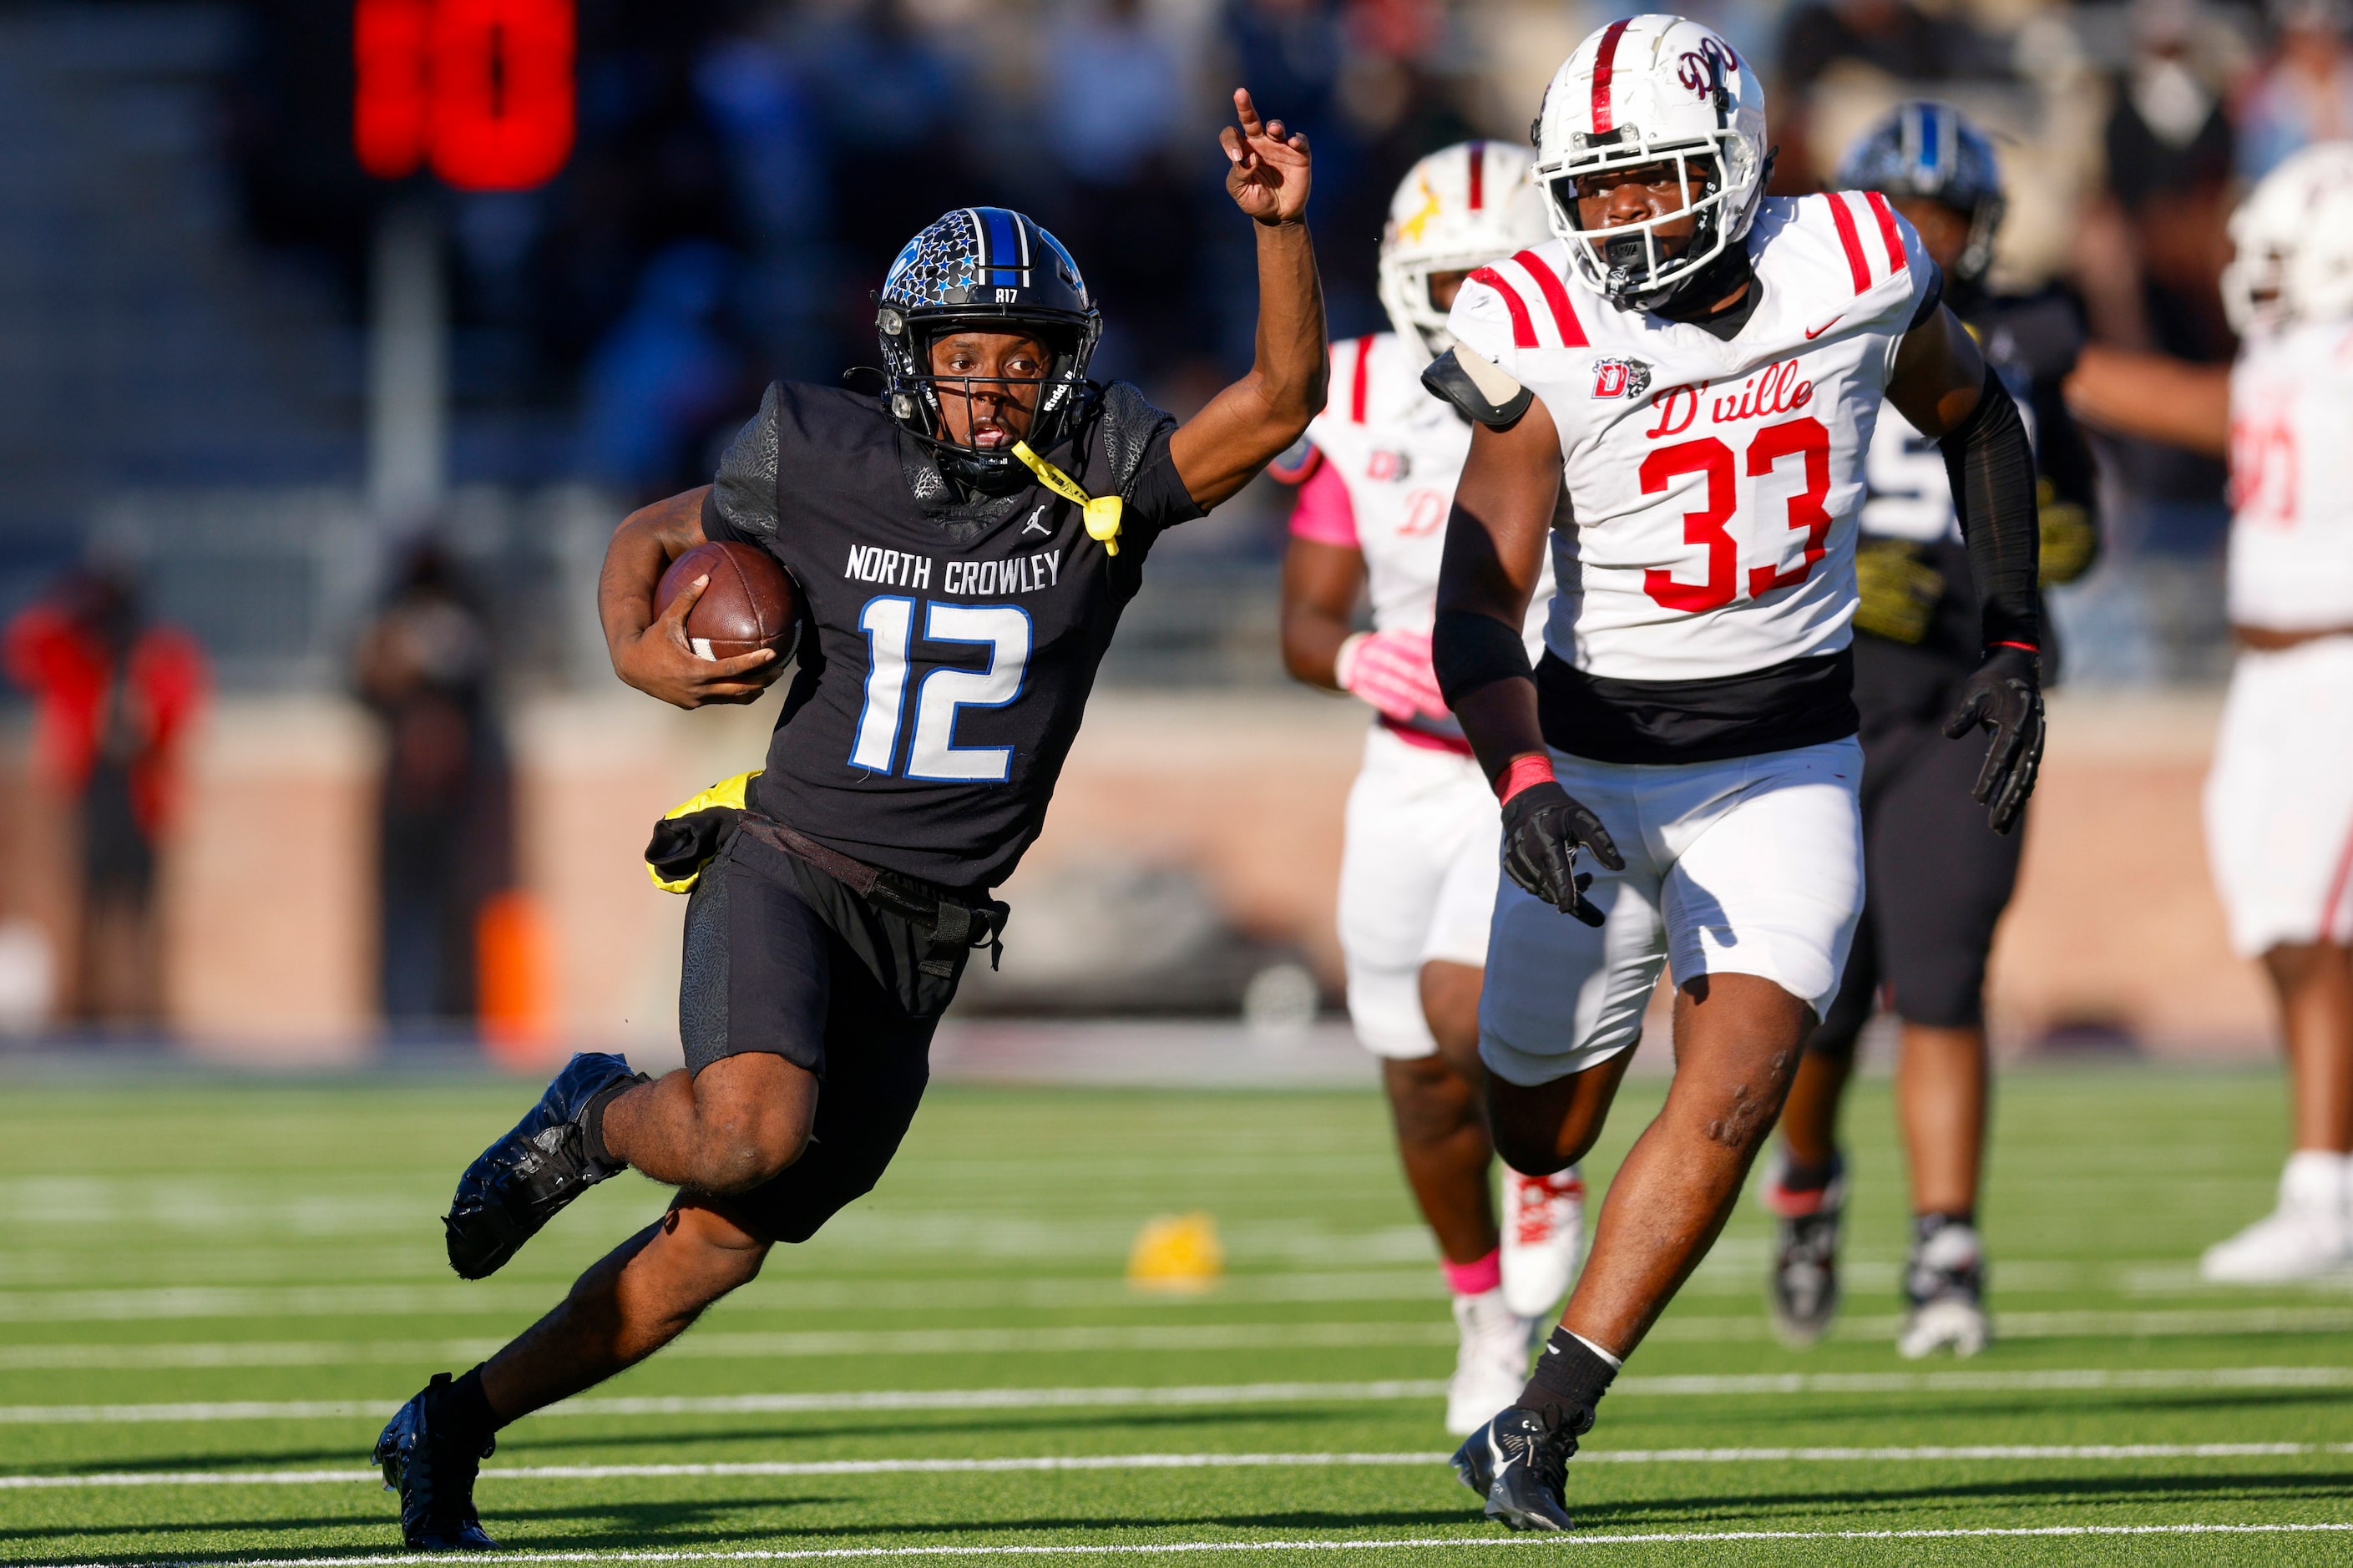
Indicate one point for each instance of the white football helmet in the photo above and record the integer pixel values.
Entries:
(1459, 208)
(2293, 239)
(1652, 90)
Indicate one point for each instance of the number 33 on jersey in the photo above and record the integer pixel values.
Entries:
(1714, 483)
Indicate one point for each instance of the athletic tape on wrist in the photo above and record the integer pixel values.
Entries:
(1529, 768)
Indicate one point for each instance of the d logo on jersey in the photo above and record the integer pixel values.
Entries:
(1621, 378)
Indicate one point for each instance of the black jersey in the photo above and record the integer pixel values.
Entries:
(2032, 341)
(947, 644)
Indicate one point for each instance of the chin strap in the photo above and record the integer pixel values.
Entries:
(1102, 512)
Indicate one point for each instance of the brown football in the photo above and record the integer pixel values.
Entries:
(750, 603)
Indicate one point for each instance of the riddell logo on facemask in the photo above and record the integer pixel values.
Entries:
(1621, 378)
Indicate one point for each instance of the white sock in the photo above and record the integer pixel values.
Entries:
(1617, 1364)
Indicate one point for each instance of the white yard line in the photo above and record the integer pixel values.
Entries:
(1142, 1549)
(1981, 1452)
(1238, 1394)
(1177, 1337)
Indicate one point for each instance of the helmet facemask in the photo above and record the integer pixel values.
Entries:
(1632, 263)
(918, 395)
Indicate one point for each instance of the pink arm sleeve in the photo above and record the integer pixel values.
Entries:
(1323, 514)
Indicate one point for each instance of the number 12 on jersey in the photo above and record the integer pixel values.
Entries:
(889, 627)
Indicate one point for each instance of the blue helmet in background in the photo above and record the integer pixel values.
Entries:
(1931, 150)
(983, 269)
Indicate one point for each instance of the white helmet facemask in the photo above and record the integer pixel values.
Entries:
(1645, 91)
(1456, 210)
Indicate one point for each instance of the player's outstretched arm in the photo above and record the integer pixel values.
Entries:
(1944, 386)
(653, 655)
(1494, 554)
(2154, 396)
(1244, 427)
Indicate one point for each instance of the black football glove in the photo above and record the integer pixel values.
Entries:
(2004, 695)
(1544, 827)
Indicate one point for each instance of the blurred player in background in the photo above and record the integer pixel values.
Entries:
(1695, 369)
(1936, 878)
(958, 587)
(1418, 881)
(2279, 802)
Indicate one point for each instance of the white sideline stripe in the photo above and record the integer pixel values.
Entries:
(2089, 1378)
(755, 1346)
(1414, 1543)
(1194, 1462)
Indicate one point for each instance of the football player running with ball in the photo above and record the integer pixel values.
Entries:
(1677, 393)
(2279, 802)
(1418, 880)
(963, 546)
(1938, 878)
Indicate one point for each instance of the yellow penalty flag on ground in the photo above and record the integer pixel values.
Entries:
(1178, 1253)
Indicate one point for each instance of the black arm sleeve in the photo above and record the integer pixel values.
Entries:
(1991, 466)
(744, 492)
(1470, 650)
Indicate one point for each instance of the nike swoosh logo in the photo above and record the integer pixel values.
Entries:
(1826, 326)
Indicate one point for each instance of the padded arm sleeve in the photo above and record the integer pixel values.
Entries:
(1470, 650)
(1991, 466)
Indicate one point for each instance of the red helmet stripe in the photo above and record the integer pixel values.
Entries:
(1524, 326)
(1478, 176)
(1851, 238)
(1572, 330)
(1887, 232)
(1360, 383)
(1605, 66)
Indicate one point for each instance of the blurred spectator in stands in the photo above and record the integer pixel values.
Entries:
(2305, 93)
(768, 128)
(1883, 46)
(2150, 255)
(665, 378)
(117, 695)
(444, 816)
(896, 111)
(1114, 109)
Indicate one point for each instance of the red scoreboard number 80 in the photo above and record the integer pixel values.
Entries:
(480, 88)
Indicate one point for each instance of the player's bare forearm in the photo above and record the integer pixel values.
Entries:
(641, 550)
(1495, 539)
(1938, 373)
(1320, 584)
(652, 652)
(2154, 396)
(1222, 448)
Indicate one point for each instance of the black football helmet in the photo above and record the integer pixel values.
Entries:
(1931, 150)
(987, 270)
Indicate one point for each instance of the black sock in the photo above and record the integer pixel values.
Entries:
(1570, 1373)
(463, 1411)
(592, 1118)
(1924, 1225)
(1797, 1178)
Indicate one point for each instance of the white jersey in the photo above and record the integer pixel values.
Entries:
(1400, 451)
(1714, 484)
(2292, 480)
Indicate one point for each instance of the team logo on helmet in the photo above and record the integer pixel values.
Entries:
(1703, 69)
(1621, 378)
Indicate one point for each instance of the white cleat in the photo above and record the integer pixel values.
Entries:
(1944, 1287)
(1492, 1367)
(1953, 1323)
(2306, 1237)
(1544, 1239)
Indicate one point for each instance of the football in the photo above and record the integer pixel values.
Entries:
(749, 604)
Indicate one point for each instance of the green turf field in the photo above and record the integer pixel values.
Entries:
(214, 1280)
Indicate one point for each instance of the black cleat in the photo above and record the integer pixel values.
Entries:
(434, 1475)
(1802, 1289)
(524, 1179)
(1519, 1463)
